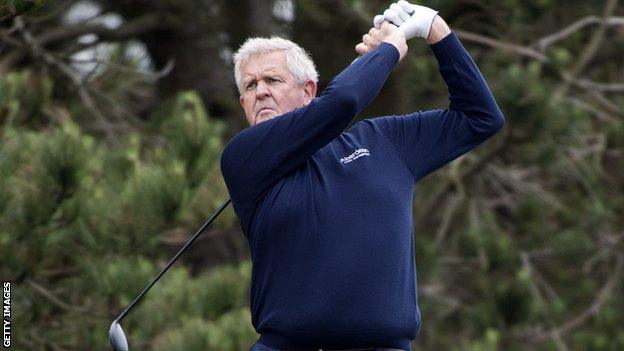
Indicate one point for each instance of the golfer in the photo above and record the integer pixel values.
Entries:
(328, 212)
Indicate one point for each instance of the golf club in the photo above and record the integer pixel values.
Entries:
(116, 334)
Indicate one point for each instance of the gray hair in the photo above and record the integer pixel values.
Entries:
(298, 61)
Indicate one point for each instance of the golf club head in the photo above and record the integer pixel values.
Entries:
(117, 337)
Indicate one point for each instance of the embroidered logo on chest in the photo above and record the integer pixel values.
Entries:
(354, 156)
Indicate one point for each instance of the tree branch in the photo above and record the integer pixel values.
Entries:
(440, 194)
(86, 310)
(127, 30)
(555, 334)
(501, 45)
(87, 100)
(596, 305)
(549, 40)
(588, 53)
(601, 87)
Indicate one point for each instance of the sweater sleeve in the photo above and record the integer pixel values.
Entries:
(260, 155)
(427, 140)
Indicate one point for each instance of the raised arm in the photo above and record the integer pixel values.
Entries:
(259, 156)
(430, 139)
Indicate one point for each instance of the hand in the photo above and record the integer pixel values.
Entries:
(386, 33)
(413, 20)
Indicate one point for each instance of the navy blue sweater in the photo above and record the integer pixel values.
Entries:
(328, 214)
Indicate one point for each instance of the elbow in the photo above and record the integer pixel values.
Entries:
(224, 167)
(495, 116)
(226, 162)
(492, 126)
(486, 123)
(493, 119)
(498, 122)
(230, 171)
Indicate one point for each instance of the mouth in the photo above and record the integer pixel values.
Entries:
(265, 114)
(264, 110)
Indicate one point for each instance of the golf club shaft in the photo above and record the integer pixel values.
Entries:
(197, 233)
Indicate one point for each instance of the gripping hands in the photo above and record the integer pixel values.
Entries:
(413, 20)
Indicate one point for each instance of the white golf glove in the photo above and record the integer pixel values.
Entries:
(413, 20)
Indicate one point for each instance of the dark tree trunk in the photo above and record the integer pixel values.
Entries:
(193, 38)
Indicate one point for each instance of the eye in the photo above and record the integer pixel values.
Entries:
(272, 80)
(250, 86)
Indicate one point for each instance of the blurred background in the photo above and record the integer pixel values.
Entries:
(113, 115)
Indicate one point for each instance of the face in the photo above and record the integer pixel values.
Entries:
(269, 89)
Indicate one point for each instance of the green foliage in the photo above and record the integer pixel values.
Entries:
(122, 278)
(72, 204)
(226, 333)
(11, 8)
(190, 136)
(23, 94)
(216, 300)
(615, 135)
(534, 112)
(152, 198)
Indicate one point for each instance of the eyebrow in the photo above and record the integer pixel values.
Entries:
(270, 73)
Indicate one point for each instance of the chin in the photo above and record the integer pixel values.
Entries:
(267, 117)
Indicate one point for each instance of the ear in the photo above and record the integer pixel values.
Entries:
(241, 99)
(309, 92)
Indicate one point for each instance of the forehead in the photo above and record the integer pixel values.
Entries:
(266, 62)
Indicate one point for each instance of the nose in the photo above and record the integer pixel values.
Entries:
(262, 90)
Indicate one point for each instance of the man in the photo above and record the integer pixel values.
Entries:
(327, 213)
